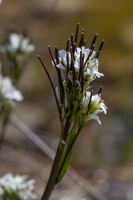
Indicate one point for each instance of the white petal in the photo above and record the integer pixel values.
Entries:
(103, 107)
(93, 116)
(57, 91)
(15, 40)
(93, 54)
(86, 99)
(98, 74)
(30, 48)
(54, 62)
(77, 51)
(17, 95)
(64, 61)
(60, 66)
(96, 98)
(76, 66)
(86, 52)
(62, 53)
(88, 72)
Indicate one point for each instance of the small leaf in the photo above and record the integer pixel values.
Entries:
(64, 169)
(11, 195)
(15, 196)
(67, 156)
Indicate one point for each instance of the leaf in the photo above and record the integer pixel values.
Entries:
(15, 196)
(64, 169)
(65, 159)
(11, 195)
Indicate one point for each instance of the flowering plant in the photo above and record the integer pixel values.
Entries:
(8, 94)
(76, 66)
(14, 50)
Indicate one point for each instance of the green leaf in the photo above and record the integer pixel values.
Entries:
(65, 159)
(11, 195)
(64, 169)
(15, 196)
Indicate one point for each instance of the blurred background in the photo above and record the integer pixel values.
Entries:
(103, 153)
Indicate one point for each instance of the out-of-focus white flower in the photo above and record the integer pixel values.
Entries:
(17, 184)
(18, 42)
(8, 91)
(96, 106)
(0, 1)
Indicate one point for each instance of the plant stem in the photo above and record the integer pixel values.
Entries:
(2, 133)
(69, 150)
(50, 184)
(6, 114)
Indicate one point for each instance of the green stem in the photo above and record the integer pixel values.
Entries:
(2, 133)
(50, 184)
(69, 150)
(6, 114)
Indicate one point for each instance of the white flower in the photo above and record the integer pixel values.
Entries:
(18, 42)
(91, 69)
(96, 99)
(90, 64)
(0, 1)
(8, 91)
(63, 60)
(26, 46)
(96, 106)
(85, 52)
(17, 184)
(86, 100)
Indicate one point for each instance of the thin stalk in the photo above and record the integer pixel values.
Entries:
(56, 99)
(70, 148)
(100, 48)
(6, 115)
(76, 35)
(2, 133)
(50, 184)
(93, 41)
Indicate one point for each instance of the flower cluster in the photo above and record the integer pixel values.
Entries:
(15, 49)
(77, 66)
(16, 185)
(18, 43)
(90, 63)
